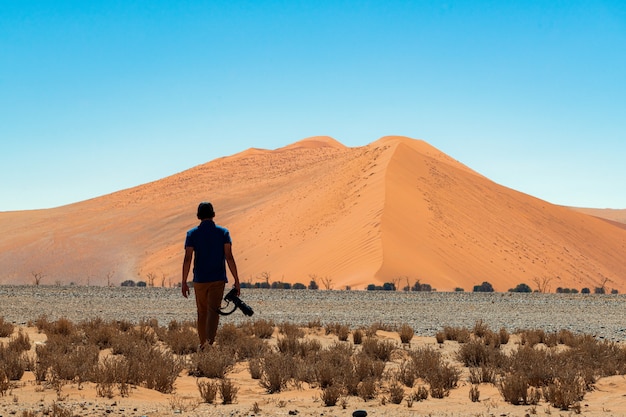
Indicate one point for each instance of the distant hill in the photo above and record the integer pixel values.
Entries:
(395, 210)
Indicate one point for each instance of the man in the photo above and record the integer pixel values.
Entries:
(210, 247)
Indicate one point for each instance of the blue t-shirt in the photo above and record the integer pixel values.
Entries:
(207, 241)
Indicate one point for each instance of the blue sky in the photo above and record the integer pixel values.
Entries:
(98, 96)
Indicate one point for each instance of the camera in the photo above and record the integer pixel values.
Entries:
(231, 297)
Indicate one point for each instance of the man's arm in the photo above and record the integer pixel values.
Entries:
(186, 268)
(232, 265)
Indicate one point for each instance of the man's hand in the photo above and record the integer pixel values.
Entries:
(185, 288)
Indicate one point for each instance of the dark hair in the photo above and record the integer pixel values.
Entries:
(205, 211)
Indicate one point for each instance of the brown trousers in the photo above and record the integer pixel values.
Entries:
(208, 301)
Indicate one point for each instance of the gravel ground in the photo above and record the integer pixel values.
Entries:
(601, 315)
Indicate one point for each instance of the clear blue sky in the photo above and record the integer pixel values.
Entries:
(98, 96)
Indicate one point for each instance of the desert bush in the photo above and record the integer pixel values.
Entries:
(477, 353)
(255, 368)
(536, 366)
(442, 379)
(532, 337)
(208, 390)
(182, 340)
(6, 328)
(396, 392)
(99, 333)
(474, 394)
(357, 336)
(290, 330)
(367, 389)
(456, 334)
(330, 395)
(13, 362)
(331, 366)
(378, 349)
(420, 395)
(228, 391)
(212, 362)
(406, 375)
(565, 391)
(440, 337)
(248, 347)
(483, 374)
(480, 329)
(406, 334)
(263, 329)
(112, 371)
(161, 370)
(515, 389)
(277, 371)
(66, 358)
(422, 359)
(367, 367)
(504, 336)
(20, 342)
(343, 332)
(5, 384)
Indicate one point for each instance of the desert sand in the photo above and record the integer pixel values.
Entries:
(396, 209)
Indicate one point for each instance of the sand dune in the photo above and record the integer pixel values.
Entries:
(394, 210)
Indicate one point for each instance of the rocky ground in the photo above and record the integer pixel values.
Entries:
(599, 315)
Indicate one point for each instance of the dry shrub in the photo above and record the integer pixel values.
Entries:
(182, 340)
(161, 370)
(263, 329)
(229, 335)
(20, 342)
(442, 379)
(5, 383)
(477, 353)
(212, 362)
(406, 334)
(66, 357)
(423, 359)
(396, 392)
(480, 329)
(367, 367)
(277, 371)
(248, 347)
(456, 334)
(208, 390)
(567, 390)
(474, 394)
(378, 349)
(483, 374)
(515, 389)
(13, 362)
(112, 371)
(421, 394)
(6, 328)
(357, 336)
(331, 366)
(255, 368)
(504, 336)
(290, 330)
(406, 375)
(367, 389)
(440, 337)
(532, 337)
(228, 391)
(343, 332)
(330, 395)
(536, 366)
(99, 333)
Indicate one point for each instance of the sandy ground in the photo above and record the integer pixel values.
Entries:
(608, 398)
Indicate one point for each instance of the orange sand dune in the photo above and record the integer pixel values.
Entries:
(395, 210)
